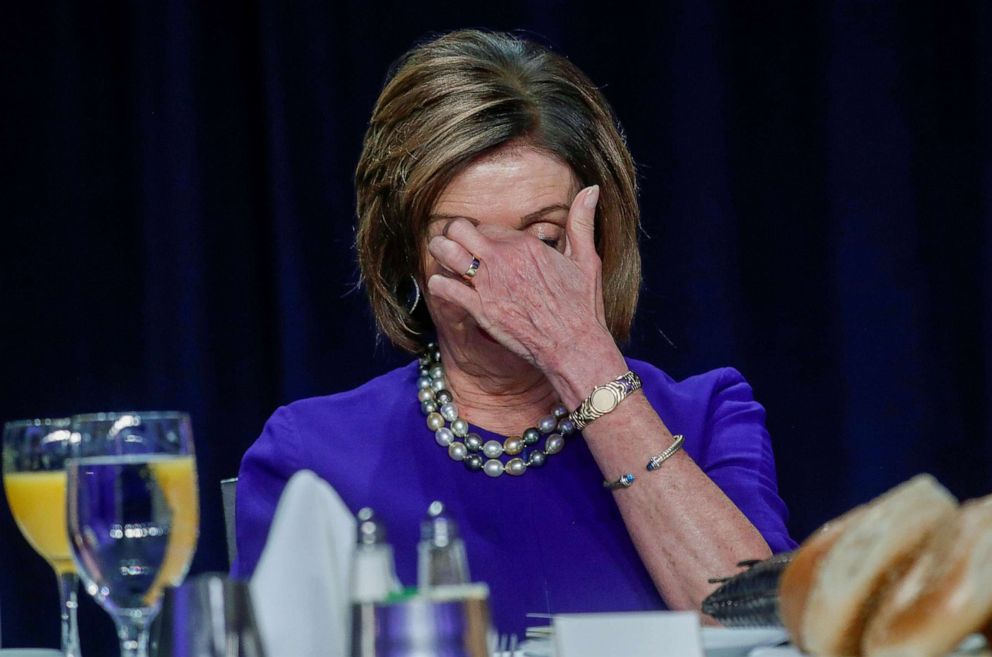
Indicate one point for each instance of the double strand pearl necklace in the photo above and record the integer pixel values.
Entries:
(468, 447)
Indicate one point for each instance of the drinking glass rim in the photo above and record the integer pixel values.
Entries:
(126, 459)
(39, 422)
(104, 416)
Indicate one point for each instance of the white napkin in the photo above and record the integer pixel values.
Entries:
(632, 634)
(300, 588)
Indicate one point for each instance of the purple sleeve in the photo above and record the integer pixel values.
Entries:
(266, 467)
(739, 459)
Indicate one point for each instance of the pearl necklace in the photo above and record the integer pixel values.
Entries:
(436, 402)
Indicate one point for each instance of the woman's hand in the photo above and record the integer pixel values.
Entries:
(547, 307)
(541, 304)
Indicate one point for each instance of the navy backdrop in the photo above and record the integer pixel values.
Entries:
(177, 219)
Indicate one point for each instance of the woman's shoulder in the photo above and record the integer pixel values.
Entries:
(703, 405)
(296, 426)
(699, 389)
(376, 397)
(328, 428)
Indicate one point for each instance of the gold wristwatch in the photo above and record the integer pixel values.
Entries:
(604, 399)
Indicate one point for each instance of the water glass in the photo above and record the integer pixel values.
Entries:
(448, 621)
(133, 513)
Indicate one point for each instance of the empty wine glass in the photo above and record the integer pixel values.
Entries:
(133, 513)
(34, 455)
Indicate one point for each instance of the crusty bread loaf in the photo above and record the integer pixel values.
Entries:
(849, 564)
(946, 595)
(877, 547)
(798, 577)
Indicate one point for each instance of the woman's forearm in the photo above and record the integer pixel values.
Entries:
(684, 527)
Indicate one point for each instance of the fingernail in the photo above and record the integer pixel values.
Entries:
(592, 196)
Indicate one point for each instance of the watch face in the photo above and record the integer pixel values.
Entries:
(604, 400)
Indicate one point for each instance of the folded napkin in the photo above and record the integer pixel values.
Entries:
(632, 634)
(300, 588)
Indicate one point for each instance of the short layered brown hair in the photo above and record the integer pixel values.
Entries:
(460, 96)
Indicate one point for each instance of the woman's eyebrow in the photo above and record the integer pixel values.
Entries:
(534, 217)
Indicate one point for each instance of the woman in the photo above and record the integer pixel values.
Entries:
(497, 215)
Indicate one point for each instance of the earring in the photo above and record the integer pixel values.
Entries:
(414, 294)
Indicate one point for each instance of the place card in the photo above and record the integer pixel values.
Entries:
(631, 634)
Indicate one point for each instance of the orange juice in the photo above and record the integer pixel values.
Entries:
(176, 477)
(37, 501)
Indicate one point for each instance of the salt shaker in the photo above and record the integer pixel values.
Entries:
(373, 569)
(441, 556)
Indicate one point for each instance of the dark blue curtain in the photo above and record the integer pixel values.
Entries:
(177, 219)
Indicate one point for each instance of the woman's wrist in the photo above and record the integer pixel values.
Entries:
(578, 366)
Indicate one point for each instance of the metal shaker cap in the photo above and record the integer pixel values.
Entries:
(438, 528)
(371, 531)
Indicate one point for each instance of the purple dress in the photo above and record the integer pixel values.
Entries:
(550, 541)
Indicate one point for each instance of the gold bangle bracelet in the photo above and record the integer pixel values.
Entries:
(656, 461)
(605, 398)
(626, 480)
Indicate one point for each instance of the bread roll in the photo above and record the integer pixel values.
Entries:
(849, 564)
(945, 596)
(799, 575)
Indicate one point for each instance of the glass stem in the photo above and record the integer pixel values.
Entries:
(68, 582)
(133, 634)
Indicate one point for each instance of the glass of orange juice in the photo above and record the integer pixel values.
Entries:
(34, 479)
(133, 513)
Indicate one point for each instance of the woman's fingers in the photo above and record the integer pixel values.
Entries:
(580, 227)
(465, 233)
(452, 256)
(457, 293)
(580, 231)
(520, 282)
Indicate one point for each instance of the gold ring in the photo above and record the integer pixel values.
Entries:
(472, 270)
